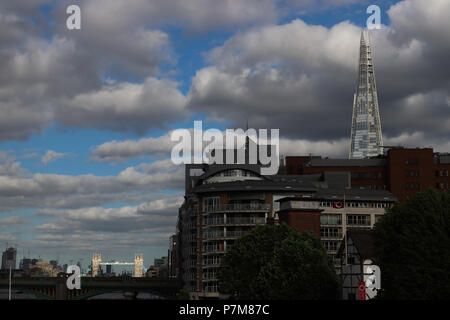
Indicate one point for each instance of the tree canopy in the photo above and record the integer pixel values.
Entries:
(278, 262)
(412, 247)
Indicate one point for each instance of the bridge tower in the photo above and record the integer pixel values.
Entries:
(96, 260)
(138, 263)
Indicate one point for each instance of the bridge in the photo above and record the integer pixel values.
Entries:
(138, 264)
(55, 288)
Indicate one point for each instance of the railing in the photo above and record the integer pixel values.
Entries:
(221, 234)
(234, 221)
(213, 250)
(332, 236)
(212, 235)
(211, 263)
(251, 220)
(235, 234)
(238, 207)
(354, 223)
(209, 276)
(213, 221)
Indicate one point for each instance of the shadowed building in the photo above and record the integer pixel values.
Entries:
(9, 258)
(224, 202)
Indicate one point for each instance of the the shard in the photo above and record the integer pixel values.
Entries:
(366, 138)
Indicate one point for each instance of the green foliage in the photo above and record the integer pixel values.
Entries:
(279, 263)
(412, 247)
(183, 295)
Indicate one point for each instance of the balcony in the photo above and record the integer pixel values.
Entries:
(249, 220)
(209, 276)
(331, 236)
(214, 235)
(213, 221)
(223, 235)
(235, 234)
(238, 207)
(234, 221)
(213, 250)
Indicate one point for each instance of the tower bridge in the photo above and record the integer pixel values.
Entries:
(138, 264)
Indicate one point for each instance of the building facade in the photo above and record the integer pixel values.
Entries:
(95, 265)
(9, 258)
(223, 202)
(356, 255)
(366, 139)
(138, 265)
(402, 171)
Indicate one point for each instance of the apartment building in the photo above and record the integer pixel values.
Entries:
(223, 202)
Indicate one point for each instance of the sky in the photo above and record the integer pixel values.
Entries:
(86, 115)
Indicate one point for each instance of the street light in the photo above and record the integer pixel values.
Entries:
(9, 291)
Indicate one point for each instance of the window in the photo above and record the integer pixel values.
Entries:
(331, 245)
(378, 217)
(442, 173)
(330, 233)
(211, 203)
(412, 186)
(411, 173)
(411, 161)
(362, 175)
(442, 185)
(331, 219)
(358, 219)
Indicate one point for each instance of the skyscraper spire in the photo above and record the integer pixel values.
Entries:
(366, 139)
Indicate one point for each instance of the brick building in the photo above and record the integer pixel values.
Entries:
(402, 171)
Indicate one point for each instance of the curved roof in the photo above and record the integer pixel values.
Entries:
(217, 168)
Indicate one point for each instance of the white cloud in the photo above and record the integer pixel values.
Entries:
(51, 155)
(117, 151)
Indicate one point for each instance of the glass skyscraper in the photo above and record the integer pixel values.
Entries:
(366, 138)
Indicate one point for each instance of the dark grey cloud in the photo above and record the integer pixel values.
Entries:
(155, 216)
(20, 189)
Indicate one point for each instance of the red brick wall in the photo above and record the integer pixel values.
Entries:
(302, 220)
(404, 161)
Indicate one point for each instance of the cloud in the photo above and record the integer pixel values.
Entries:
(118, 151)
(7, 237)
(155, 216)
(8, 166)
(20, 189)
(53, 75)
(12, 222)
(192, 15)
(126, 106)
(51, 155)
(300, 78)
(109, 230)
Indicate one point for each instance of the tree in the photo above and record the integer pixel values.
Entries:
(412, 247)
(183, 295)
(279, 263)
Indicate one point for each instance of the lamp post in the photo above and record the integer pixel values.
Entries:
(9, 292)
